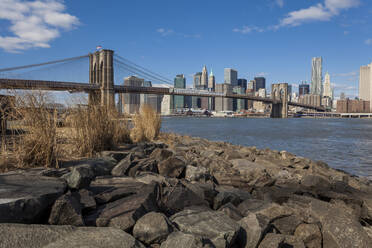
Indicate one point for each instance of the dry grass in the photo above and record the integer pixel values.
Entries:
(146, 125)
(37, 145)
(95, 129)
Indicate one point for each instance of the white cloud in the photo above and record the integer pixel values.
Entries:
(280, 3)
(346, 74)
(166, 32)
(248, 29)
(33, 23)
(318, 12)
(368, 42)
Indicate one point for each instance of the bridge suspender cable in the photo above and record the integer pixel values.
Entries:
(147, 70)
(41, 64)
(139, 71)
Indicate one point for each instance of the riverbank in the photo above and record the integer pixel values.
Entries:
(183, 191)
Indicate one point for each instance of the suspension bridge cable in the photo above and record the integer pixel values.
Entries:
(124, 67)
(138, 71)
(41, 64)
(141, 71)
(143, 68)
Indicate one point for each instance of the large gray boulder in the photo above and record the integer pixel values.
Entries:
(79, 177)
(252, 231)
(152, 228)
(25, 198)
(179, 197)
(310, 234)
(123, 166)
(110, 189)
(171, 167)
(273, 240)
(255, 174)
(124, 213)
(182, 240)
(216, 226)
(66, 210)
(340, 228)
(48, 236)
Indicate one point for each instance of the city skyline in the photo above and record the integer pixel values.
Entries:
(278, 45)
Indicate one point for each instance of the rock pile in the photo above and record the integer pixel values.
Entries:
(187, 193)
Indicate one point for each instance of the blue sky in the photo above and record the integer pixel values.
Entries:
(273, 38)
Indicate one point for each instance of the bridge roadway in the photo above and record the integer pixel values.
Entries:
(23, 84)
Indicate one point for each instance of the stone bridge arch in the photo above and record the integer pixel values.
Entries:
(279, 94)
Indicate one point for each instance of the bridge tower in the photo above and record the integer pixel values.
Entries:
(101, 72)
(279, 94)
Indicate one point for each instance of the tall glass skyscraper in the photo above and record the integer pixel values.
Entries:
(316, 76)
(231, 76)
(179, 82)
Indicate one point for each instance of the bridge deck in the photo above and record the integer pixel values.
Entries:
(23, 84)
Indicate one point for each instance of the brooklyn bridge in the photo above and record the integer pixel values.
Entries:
(101, 87)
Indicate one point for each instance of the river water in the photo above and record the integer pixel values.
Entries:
(344, 144)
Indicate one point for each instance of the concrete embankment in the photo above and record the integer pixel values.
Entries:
(186, 192)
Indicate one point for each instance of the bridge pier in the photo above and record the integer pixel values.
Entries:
(101, 72)
(279, 94)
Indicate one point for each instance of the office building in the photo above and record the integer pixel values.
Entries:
(204, 78)
(303, 89)
(353, 106)
(243, 83)
(310, 99)
(251, 87)
(211, 82)
(342, 96)
(179, 82)
(231, 76)
(316, 76)
(238, 104)
(130, 101)
(365, 83)
(260, 83)
(327, 89)
(197, 80)
(224, 104)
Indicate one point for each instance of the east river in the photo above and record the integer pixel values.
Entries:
(344, 144)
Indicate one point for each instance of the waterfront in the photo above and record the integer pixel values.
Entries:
(344, 144)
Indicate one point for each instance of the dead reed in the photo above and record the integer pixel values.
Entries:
(95, 129)
(36, 145)
(146, 125)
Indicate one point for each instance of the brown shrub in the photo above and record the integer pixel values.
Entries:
(146, 125)
(95, 129)
(37, 145)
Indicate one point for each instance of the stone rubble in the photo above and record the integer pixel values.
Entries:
(186, 192)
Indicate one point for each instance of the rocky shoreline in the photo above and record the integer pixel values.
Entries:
(186, 192)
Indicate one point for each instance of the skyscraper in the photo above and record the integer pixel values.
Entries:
(197, 80)
(303, 89)
(327, 89)
(211, 82)
(365, 83)
(179, 82)
(204, 78)
(231, 76)
(242, 83)
(260, 83)
(316, 76)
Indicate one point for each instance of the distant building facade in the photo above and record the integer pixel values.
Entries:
(310, 99)
(365, 83)
(179, 82)
(224, 104)
(211, 82)
(327, 88)
(260, 83)
(303, 89)
(316, 76)
(231, 76)
(353, 106)
(204, 78)
(131, 102)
